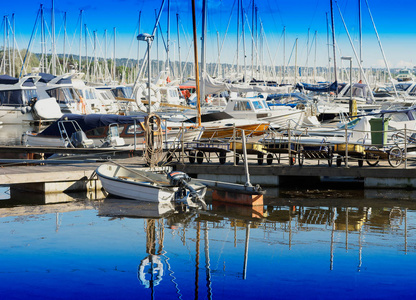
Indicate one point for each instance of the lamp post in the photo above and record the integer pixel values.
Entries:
(350, 102)
(149, 39)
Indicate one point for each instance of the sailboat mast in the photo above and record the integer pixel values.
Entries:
(244, 43)
(80, 40)
(64, 50)
(360, 34)
(53, 38)
(14, 45)
(179, 48)
(296, 61)
(333, 44)
(86, 52)
(138, 43)
(196, 65)
(252, 40)
(327, 46)
(114, 55)
(203, 46)
(168, 39)
(238, 34)
(284, 55)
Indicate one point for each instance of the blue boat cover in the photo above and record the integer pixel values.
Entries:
(318, 88)
(88, 122)
(6, 79)
(46, 77)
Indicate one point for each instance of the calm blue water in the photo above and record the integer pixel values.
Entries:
(305, 247)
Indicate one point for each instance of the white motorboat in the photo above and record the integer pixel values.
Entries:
(136, 184)
(19, 101)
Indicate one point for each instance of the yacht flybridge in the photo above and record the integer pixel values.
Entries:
(19, 101)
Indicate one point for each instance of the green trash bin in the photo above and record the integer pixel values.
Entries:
(379, 131)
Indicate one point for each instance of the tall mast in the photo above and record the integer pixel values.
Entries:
(114, 55)
(196, 65)
(64, 61)
(168, 39)
(138, 43)
(360, 34)
(157, 43)
(327, 45)
(105, 55)
(238, 34)
(14, 44)
(53, 38)
(284, 54)
(95, 56)
(7, 24)
(86, 51)
(252, 40)
(80, 40)
(333, 44)
(244, 42)
(307, 56)
(314, 61)
(296, 60)
(179, 48)
(203, 46)
(257, 37)
(4, 44)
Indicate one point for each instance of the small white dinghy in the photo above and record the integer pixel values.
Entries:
(137, 184)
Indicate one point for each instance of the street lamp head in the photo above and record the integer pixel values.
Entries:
(346, 58)
(145, 37)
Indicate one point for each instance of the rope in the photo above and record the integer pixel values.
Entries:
(154, 140)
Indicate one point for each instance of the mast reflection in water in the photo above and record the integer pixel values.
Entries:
(293, 248)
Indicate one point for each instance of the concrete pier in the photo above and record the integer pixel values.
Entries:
(382, 176)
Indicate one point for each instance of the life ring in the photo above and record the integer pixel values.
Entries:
(156, 267)
(141, 92)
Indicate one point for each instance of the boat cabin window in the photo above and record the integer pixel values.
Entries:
(173, 94)
(12, 98)
(131, 128)
(30, 94)
(258, 105)
(242, 106)
(64, 95)
(89, 94)
(96, 132)
(402, 86)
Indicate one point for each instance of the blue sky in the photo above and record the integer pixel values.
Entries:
(394, 22)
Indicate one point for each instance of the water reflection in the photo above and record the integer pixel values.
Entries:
(226, 251)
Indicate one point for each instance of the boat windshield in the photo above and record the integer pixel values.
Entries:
(242, 106)
(258, 105)
(64, 95)
(402, 86)
(89, 94)
(12, 98)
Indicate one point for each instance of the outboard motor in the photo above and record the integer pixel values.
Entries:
(181, 179)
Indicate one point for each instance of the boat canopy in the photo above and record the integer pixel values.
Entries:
(88, 122)
(9, 80)
(320, 88)
(46, 77)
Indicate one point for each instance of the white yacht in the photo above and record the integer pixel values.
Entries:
(19, 101)
(61, 88)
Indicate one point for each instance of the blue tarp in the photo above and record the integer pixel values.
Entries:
(318, 88)
(46, 77)
(6, 79)
(88, 122)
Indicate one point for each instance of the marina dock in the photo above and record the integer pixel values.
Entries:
(75, 176)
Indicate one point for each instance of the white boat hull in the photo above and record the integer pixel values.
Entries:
(126, 183)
